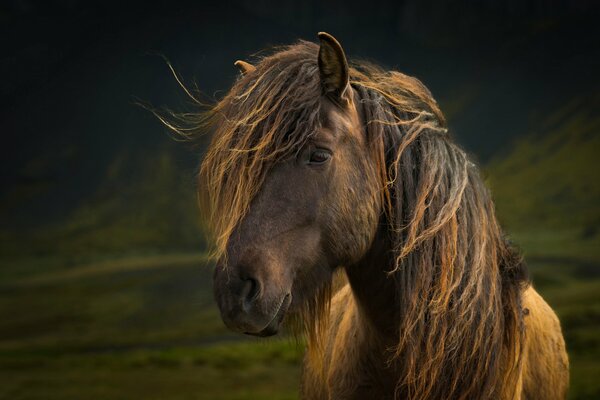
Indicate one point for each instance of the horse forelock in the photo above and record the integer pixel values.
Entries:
(266, 117)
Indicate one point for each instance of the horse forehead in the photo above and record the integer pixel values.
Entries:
(336, 121)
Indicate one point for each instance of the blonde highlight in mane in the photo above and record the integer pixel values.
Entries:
(458, 281)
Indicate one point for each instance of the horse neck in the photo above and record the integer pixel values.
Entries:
(374, 289)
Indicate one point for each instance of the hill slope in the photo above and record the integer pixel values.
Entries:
(144, 202)
(547, 189)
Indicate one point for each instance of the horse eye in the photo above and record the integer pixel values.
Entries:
(319, 156)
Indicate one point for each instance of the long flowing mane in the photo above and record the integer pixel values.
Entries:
(458, 281)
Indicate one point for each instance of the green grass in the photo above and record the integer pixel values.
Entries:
(139, 327)
(221, 371)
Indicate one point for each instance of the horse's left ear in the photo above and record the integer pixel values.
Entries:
(245, 68)
(333, 67)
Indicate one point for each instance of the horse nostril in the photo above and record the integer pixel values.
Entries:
(249, 292)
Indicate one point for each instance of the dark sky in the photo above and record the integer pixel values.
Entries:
(72, 69)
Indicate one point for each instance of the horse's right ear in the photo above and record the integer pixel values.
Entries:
(333, 67)
(245, 68)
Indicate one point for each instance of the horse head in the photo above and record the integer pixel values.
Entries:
(317, 207)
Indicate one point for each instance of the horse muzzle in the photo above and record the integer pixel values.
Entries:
(247, 303)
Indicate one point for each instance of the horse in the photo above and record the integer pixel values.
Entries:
(339, 206)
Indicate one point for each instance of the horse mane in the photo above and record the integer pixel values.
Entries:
(458, 280)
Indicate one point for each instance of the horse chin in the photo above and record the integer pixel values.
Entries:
(272, 327)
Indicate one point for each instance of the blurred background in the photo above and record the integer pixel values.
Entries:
(105, 291)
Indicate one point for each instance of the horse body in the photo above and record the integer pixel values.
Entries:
(354, 364)
(545, 361)
(318, 169)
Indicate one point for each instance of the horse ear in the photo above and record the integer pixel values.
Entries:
(245, 68)
(333, 66)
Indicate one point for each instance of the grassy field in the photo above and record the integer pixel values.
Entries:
(140, 327)
(145, 326)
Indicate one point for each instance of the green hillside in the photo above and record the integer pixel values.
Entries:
(547, 189)
(145, 203)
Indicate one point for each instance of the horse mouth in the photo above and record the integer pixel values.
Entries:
(273, 327)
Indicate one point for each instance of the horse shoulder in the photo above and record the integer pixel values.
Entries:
(545, 361)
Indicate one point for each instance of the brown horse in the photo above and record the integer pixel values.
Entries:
(340, 205)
